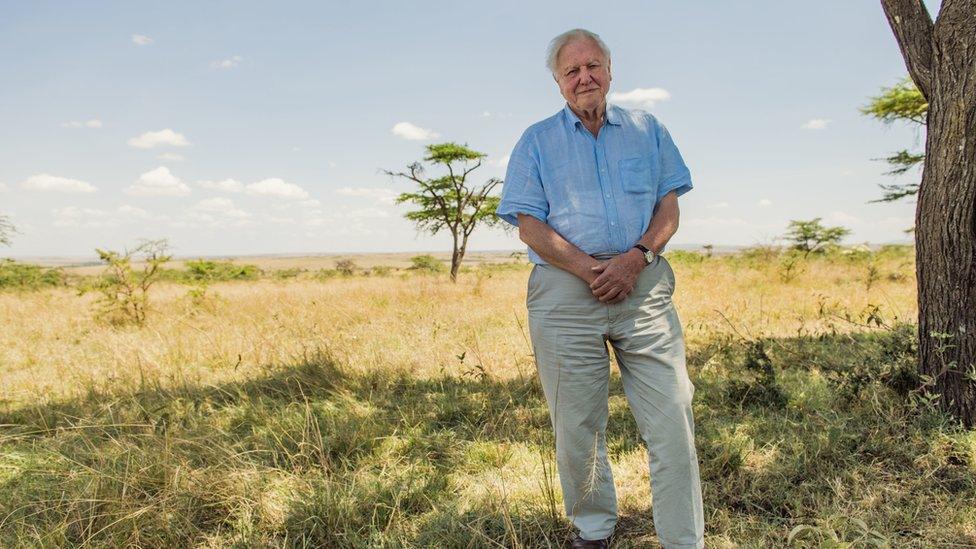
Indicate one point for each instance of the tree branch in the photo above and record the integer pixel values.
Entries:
(913, 29)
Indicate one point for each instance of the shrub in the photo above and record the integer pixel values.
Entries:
(685, 257)
(381, 270)
(427, 263)
(125, 291)
(758, 387)
(346, 267)
(214, 271)
(24, 276)
(284, 274)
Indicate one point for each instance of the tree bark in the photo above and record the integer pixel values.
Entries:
(941, 59)
(456, 256)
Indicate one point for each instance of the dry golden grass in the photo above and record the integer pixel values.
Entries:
(403, 411)
(51, 346)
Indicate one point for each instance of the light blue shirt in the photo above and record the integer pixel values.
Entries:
(597, 193)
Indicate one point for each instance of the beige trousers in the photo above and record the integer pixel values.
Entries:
(570, 330)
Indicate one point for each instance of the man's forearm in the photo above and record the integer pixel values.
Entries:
(555, 249)
(663, 225)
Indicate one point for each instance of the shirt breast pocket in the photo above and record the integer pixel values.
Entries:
(638, 175)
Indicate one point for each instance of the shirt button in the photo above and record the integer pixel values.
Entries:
(613, 223)
(607, 195)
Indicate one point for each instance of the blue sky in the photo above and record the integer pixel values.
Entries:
(247, 127)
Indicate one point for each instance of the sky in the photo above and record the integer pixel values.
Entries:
(233, 128)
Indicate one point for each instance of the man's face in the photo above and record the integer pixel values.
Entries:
(583, 74)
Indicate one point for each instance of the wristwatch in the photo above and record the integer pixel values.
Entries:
(648, 254)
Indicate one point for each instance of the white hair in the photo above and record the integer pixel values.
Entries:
(557, 43)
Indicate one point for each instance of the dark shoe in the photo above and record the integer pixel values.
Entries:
(580, 543)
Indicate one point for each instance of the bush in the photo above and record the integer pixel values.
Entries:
(284, 274)
(381, 270)
(214, 271)
(125, 291)
(24, 276)
(684, 257)
(427, 263)
(346, 267)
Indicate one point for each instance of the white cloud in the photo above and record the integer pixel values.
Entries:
(379, 194)
(485, 114)
(128, 212)
(221, 205)
(843, 218)
(764, 203)
(167, 136)
(815, 124)
(719, 205)
(171, 157)
(276, 187)
(47, 182)
(310, 203)
(228, 63)
(366, 213)
(132, 212)
(73, 216)
(279, 220)
(407, 130)
(158, 182)
(3, 187)
(218, 211)
(93, 123)
(501, 162)
(141, 40)
(641, 97)
(224, 185)
(332, 164)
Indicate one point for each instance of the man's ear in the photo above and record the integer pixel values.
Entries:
(609, 72)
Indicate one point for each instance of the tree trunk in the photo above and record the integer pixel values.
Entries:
(942, 60)
(456, 258)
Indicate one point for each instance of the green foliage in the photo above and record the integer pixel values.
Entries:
(24, 276)
(202, 270)
(448, 202)
(427, 264)
(902, 102)
(125, 290)
(790, 266)
(381, 270)
(286, 274)
(6, 229)
(756, 385)
(326, 274)
(685, 257)
(812, 236)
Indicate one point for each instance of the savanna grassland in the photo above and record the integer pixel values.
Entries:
(396, 409)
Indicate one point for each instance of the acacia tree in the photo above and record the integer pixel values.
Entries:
(941, 60)
(449, 202)
(812, 236)
(902, 102)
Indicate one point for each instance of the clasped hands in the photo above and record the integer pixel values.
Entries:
(614, 279)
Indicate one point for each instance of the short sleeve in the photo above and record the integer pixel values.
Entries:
(522, 190)
(674, 173)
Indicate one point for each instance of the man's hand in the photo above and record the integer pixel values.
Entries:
(615, 279)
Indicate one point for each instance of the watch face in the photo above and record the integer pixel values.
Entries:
(648, 256)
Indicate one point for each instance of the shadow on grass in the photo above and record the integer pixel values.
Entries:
(316, 455)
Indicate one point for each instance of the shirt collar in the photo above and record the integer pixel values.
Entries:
(613, 117)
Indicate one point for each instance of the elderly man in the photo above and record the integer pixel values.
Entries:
(594, 192)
